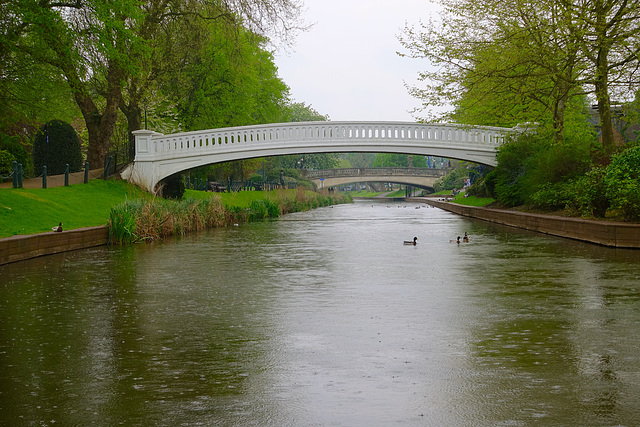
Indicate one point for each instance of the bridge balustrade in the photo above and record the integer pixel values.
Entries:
(326, 131)
(158, 155)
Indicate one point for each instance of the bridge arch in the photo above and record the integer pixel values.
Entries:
(424, 178)
(159, 156)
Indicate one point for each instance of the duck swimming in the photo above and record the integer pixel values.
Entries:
(57, 228)
(411, 242)
(455, 241)
(465, 238)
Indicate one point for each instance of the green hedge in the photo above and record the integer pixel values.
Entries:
(57, 144)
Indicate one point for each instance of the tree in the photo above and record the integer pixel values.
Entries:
(102, 46)
(501, 63)
(92, 44)
(300, 112)
(56, 145)
(188, 34)
(523, 61)
(389, 160)
(230, 83)
(608, 33)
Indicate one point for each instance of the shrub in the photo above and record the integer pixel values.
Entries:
(173, 187)
(559, 162)
(590, 194)
(262, 209)
(56, 144)
(6, 162)
(533, 167)
(478, 189)
(553, 196)
(622, 182)
(509, 181)
(12, 145)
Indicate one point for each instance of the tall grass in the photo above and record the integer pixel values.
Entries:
(149, 220)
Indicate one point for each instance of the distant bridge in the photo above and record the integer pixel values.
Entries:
(159, 156)
(417, 177)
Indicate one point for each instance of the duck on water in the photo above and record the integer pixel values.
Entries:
(411, 242)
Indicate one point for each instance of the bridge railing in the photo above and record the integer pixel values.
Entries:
(154, 145)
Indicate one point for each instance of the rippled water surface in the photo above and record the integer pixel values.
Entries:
(326, 318)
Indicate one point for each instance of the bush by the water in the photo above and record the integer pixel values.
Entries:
(533, 169)
(57, 144)
(139, 220)
(622, 183)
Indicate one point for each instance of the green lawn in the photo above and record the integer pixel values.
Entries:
(30, 211)
(472, 200)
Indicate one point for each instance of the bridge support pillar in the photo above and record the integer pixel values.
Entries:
(142, 171)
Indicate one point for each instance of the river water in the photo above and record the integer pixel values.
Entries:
(325, 318)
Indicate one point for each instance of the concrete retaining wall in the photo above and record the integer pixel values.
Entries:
(18, 248)
(615, 234)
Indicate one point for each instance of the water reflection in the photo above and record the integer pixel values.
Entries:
(324, 317)
(554, 336)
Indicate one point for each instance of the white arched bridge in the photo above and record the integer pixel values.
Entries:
(424, 178)
(159, 156)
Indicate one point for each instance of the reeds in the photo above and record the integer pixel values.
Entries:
(148, 220)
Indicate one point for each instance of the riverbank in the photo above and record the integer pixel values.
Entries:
(606, 233)
(87, 212)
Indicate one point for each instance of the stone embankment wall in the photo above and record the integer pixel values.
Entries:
(615, 234)
(18, 248)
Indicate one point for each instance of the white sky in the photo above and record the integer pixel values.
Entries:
(346, 65)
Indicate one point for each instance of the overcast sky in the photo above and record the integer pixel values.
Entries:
(346, 65)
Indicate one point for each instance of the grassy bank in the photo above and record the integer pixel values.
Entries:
(472, 200)
(32, 211)
(148, 220)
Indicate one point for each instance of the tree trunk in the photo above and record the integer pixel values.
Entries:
(103, 125)
(558, 120)
(604, 102)
(133, 113)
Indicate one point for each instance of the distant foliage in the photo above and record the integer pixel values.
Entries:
(6, 162)
(12, 145)
(454, 179)
(57, 144)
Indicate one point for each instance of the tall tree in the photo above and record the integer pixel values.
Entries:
(513, 53)
(608, 33)
(500, 62)
(102, 47)
(92, 44)
(185, 34)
